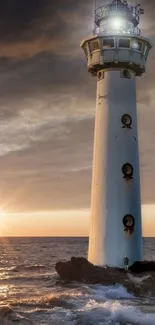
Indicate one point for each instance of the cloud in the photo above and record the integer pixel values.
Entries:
(59, 163)
(30, 28)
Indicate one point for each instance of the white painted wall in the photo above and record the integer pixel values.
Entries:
(112, 196)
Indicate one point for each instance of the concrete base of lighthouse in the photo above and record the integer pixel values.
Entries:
(113, 195)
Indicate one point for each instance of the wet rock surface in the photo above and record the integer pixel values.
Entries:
(140, 278)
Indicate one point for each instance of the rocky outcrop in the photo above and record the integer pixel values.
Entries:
(139, 279)
(141, 267)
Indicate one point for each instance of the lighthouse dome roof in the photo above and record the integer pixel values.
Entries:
(120, 6)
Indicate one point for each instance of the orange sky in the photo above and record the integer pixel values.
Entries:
(60, 223)
(55, 223)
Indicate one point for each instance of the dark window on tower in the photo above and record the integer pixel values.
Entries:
(94, 45)
(139, 46)
(136, 45)
(146, 51)
(108, 43)
(124, 43)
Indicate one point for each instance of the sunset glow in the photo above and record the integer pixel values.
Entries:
(1, 214)
(60, 223)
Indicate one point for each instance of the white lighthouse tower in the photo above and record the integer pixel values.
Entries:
(116, 55)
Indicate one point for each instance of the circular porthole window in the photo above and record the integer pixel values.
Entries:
(127, 170)
(126, 121)
(129, 223)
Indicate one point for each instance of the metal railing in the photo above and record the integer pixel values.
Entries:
(99, 31)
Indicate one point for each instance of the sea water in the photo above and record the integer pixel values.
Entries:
(31, 292)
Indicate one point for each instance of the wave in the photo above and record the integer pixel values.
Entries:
(22, 267)
(13, 277)
(138, 280)
(52, 300)
(111, 305)
(109, 292)
(9, 316)
(34, 277)
(85, 305)
(93, 307)
(110, 312)
(35, 267)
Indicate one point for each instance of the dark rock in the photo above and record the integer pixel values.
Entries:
(75, 269)
(79, 269)
(144, 266)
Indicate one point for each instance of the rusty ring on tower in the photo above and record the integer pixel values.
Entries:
(127, 170)
(126, 121)
(129, 223)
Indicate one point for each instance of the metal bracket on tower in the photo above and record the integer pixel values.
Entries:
(104, 97)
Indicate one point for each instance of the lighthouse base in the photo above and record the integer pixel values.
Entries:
(79, 269)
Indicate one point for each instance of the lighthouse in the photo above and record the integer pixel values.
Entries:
(116, 55)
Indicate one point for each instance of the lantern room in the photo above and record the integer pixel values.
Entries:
(117, 17)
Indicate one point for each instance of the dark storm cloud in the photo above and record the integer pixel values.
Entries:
(44, 70)
(30, 27)
(47, 105)
(16, 17)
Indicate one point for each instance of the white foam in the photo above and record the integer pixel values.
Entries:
(111, 305)
(129, 314)
(110, 312)
(95, 304)
(138, 280)
(111, 292)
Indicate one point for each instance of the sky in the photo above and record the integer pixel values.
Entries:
(47, 109)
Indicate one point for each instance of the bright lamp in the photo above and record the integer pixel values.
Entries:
(116, 23)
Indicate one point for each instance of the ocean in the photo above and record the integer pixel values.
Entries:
(31, 292)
